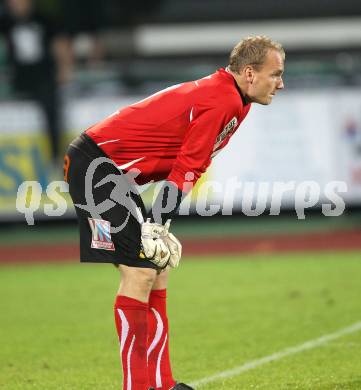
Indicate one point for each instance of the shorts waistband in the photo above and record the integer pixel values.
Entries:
(85, 144)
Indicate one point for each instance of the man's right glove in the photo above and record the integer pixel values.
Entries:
(175, 247)
(154, 247)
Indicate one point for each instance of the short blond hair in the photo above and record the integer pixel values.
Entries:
(252, 51)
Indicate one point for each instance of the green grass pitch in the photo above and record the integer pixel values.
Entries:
(57, 329)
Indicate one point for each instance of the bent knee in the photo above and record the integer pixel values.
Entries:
(140, 276)
(161, 280)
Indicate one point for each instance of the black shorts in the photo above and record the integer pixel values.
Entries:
(107, 204)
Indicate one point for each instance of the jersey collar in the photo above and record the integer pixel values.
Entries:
(229, 74)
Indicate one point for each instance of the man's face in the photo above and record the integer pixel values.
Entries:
(267, 79)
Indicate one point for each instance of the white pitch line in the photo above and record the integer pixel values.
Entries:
(278, 355)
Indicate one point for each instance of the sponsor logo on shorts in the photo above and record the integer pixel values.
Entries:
(101, 238)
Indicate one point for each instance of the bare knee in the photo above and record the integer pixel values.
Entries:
(136, 282)
(161, 281)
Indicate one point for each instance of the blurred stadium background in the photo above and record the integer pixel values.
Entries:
(120, 52)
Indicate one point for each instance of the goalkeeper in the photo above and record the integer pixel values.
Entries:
(172, 136)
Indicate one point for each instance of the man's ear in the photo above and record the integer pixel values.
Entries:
(249, 73)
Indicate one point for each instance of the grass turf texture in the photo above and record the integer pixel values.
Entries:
(57, 329)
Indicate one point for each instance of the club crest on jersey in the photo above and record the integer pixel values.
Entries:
(101, 238)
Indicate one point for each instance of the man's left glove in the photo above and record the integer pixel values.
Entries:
(154, 247)
(173, 244)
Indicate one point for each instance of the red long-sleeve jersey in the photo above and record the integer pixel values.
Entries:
(175, 131)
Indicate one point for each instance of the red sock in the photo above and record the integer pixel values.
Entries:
(159, 368)
(131, 322)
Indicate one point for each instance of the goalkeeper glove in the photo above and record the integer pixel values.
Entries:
(154, 248)
(175, 247)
